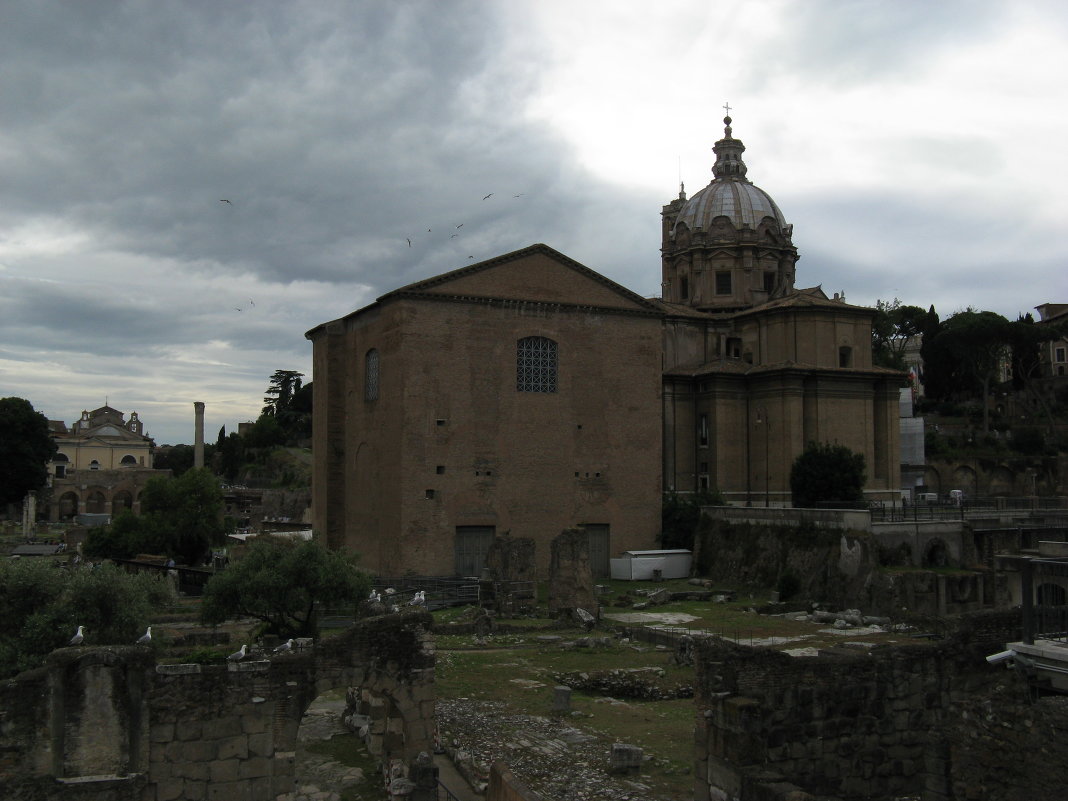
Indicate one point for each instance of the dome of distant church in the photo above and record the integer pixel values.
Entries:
(730, 194)
(741, 202)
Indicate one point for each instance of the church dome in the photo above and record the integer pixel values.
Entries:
(743, 203)
(730, 194)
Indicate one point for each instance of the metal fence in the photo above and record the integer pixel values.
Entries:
(977, 507)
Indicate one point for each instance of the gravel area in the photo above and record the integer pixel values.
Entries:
(551, 755)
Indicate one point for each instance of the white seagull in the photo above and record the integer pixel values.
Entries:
(419, 599)
(79, 636)
(286, 646)
(145, 638)
(237, 656)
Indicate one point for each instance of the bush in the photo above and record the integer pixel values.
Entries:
(827, 475)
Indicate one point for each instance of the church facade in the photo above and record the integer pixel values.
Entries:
(527, 393)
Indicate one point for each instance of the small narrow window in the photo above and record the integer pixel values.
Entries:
(845, 356)
(769, 282)
(370, 375)
(702, 431)
(1060, 354)
(439, 422)
(440, 469)
(723, 282)
(684, 288)
(734, 348)
(536, 360)
(431, 494)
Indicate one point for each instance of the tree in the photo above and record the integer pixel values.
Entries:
(892, 328)
(42, 605)
(827, 475)
(965, 356)
(284, 384)
(282, 582)
(181, 517)
(26, 448)
(680, 514)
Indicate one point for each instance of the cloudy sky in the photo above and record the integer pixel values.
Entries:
(918, 148)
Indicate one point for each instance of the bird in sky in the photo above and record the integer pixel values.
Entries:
(237, 656)
(145, 638)
(284, 647)
(461, 225)
(250, 303)
(487, 197)
(519, 195)
(224, 200)
(237, 309)
(79, 636)
(453, 236)
(409, 241)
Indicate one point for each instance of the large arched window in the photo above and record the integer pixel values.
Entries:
(535, 365)
(370, 375)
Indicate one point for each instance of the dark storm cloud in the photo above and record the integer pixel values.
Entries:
(334, 130)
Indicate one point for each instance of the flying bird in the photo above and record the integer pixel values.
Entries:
(145, 638)
(409, 242)
(284, 647)
(237, 656)
(461, 225)
(79, 636)
(519, 195)
(453, 236)
(224, 200)
(250, 303)
(237, 309)
(487, 197)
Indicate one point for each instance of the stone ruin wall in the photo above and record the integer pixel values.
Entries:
(109, 724)
(871, 726)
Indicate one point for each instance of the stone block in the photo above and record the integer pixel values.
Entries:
(195, 791)
(261, 745)
(230, 791)
(170, 790)
(221, 727)
(255, 723)
(161, 733)
(193, 771)
(188, 730)
(222, 772)
(625, 758)
(233, 747)
(254, 768)
(198, 751)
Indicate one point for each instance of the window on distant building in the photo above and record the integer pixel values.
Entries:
(723, 282)
(370, 375)
(128, 461)
(769, 281)
(535, 365)
(94, 465)
(1060, 355)
(734, 348)
(684, 288)
(702, 431)
(845, 356)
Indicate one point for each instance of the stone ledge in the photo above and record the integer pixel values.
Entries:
(105, 778)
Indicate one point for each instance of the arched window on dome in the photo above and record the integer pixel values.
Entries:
(535, 365)
(370, 375)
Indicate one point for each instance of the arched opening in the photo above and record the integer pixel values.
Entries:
(68, 504)
(121, 501)
(331, 756)
(936, 554)
(128, 461)
(96, 503)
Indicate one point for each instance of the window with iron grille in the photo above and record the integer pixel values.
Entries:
(370, 376)
(535, 367)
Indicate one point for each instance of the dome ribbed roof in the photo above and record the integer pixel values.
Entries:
(730, 194)
(740, 201)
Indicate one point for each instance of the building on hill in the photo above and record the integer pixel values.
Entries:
(101, 464)
(528, 393)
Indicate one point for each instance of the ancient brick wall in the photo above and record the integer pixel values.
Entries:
(109, 723)
(871, 726)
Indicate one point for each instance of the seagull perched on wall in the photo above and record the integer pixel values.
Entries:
(419, 599)
(374, 597)
(237, 656)
(284, 647)
(79, 636)
(146, 638)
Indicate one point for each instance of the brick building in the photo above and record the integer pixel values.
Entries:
(529, 393)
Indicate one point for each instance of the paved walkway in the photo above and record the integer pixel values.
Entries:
(453, 781)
